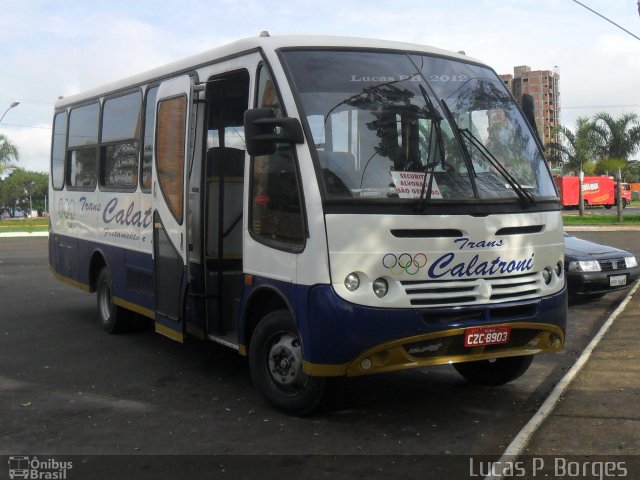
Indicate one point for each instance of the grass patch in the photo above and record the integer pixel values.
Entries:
(590, 219)
(24, 225)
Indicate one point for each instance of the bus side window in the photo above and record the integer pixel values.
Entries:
(58, 149)
(276, 206)
(83, 147)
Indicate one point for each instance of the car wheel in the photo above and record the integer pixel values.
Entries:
(275, 361)
(114, 319)
(494, 372)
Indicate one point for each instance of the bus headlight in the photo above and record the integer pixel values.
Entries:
(547, 275)
(380, 287)
(352, 282)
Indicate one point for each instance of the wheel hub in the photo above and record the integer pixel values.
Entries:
(285, 361)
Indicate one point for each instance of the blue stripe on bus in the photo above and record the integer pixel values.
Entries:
(131, 271)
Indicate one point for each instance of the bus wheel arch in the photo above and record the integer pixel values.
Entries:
(96, 265)
(261, 302)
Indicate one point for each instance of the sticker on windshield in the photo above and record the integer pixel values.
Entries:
(409, 185)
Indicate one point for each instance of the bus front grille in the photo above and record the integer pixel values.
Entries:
(478, 290)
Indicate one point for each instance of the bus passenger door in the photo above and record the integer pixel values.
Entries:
(227, 99)
(169, 217)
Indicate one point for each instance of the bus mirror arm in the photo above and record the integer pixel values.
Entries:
(263, 130)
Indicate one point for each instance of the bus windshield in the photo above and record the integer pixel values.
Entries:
(397, 126)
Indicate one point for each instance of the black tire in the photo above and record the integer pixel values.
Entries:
(275, 361)
(114, 319)
(495, 371)
(624, 203)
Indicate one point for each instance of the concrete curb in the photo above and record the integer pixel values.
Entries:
(23, 234)
(601, 228)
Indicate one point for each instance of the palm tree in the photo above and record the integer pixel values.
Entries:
(575, 150)
(8, 153)
(617, 139)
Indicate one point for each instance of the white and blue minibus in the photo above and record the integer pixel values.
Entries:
(326, 206)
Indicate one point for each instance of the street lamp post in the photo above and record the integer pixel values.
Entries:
(13, 105)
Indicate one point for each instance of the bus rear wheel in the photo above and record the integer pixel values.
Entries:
(275, 361)
(496, 371)
(112, 317)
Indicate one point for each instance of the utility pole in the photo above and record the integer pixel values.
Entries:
(580, 191)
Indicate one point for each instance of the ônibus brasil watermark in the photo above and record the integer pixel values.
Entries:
(21, 466)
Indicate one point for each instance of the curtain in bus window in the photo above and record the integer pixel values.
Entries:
(170, 144)
(149, 130)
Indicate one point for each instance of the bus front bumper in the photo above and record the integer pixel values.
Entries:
(418, 338)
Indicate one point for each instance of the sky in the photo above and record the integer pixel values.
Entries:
(54, 48)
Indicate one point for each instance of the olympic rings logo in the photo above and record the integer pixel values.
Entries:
(67, 209)
(405, 262)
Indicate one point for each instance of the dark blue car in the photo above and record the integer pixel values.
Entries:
(594, 269)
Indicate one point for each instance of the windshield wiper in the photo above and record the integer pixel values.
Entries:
(429, 168)
(525, 196)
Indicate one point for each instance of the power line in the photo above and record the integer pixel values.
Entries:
(610, 21)
(598, 106)
(25, 126)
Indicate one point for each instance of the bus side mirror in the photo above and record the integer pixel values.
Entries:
(263, 130)
(528, 108)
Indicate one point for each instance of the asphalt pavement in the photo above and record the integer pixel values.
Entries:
(597, 414)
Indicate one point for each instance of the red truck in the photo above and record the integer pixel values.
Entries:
(625, 193)
(596, 190)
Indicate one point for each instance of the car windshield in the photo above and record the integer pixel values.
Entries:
(398, 126)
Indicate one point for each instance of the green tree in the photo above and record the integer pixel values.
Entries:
(23, 189)
(616, 140)
(576, 149)
(8, 154)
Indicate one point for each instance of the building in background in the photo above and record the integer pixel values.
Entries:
(543, 86)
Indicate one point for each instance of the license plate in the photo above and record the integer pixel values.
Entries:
(483, 336)
(617, 280)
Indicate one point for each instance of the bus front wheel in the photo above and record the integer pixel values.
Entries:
(496, 371)
(275, 361)
(112, 317)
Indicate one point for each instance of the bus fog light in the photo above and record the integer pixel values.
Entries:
(547, 275)
(555, 341)
(380, 287)
(365, 364)
(559, 269)
(352, 282)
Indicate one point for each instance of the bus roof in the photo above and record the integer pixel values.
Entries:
(264, 42)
